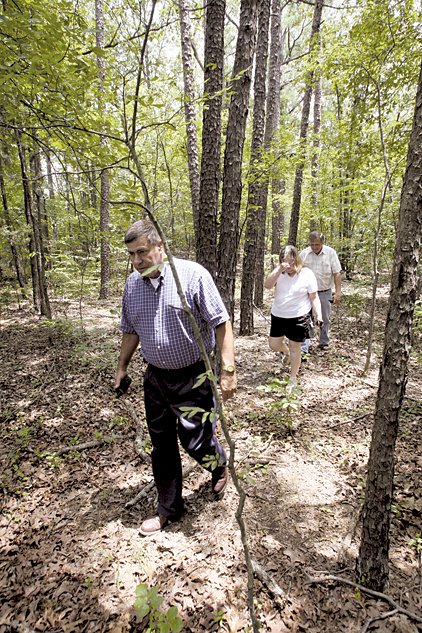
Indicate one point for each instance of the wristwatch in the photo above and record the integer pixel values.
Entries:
(230, 369)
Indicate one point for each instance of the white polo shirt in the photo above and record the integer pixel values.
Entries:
(324, 265)
(291, 297)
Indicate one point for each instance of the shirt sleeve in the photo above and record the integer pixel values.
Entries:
(125, 323)
(335, 263)
(209, 301)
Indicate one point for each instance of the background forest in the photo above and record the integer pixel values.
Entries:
(87, 87)
(239, 126)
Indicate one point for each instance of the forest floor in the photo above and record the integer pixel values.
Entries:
(71, 553)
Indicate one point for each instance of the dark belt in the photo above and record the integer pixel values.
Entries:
(324, 290)
(180, 373)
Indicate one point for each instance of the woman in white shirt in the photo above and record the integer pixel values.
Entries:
(296, 295)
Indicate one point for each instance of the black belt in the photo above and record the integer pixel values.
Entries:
(324, 290)
(180, 373)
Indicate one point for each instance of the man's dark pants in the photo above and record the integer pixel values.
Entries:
(165, 391)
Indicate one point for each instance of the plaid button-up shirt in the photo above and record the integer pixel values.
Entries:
(323, 265)
(157, 317)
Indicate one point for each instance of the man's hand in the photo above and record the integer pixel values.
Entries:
(122, 383)
(336, 297)
(228, 385)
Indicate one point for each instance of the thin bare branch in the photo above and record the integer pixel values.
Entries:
(275, 590)
(83, 447)
(135, 36)
(380, 616)
(140, 71)
(370, 592)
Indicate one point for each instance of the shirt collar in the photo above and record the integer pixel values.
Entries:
(160, 276)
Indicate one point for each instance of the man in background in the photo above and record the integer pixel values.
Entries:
(324, 263)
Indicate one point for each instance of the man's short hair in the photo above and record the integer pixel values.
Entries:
(142, 228)
(316, 235)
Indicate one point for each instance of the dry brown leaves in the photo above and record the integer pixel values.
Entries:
(71, 554)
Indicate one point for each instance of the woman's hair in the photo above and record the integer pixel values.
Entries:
(291, 251)
(142, 228)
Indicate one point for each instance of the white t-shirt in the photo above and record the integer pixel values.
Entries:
(291, 297)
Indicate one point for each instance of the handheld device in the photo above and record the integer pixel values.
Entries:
(124, 386)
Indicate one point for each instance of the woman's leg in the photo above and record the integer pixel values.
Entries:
(295, 359)
(278, 344)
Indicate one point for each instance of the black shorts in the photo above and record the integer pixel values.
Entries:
(296, 329)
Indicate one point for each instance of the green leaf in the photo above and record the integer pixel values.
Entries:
(151, 269)
(141, 604)
(155, 599)
(99, 51)
(191, 411)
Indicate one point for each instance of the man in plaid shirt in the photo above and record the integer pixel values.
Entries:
(153, 319)
(325, 264)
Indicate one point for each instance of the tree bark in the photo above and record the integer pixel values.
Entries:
(15, 256)
(190, 114)
(51, 195)
(272, 124)
(235, 138)
(36, 248)
(30, 221)
(297, 187)
(211, 135)
(256, 186)
(316, 149)
(372, 564)
(278, 188)
(104, 180)
(346, 177)
(39, 228)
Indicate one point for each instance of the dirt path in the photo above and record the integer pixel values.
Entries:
(71, 553)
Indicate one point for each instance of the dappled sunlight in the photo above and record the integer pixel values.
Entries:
(66, 527)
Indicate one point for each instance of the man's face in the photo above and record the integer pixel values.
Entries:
(144, 255)
(316, 246)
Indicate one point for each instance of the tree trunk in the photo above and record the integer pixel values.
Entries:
(372, 566)
(316, 149)
(39, 224)
(15, 257)
(297, 187)
(272, 123)
(346, 177)
(375, 259)
(235, 138)
(104, 180)
(51, 195)
(278, 188)
(39, 200)
(211, 135)
(36, 249)
(190, 114)
(256, 186)
(92, 185)
(104, 231)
